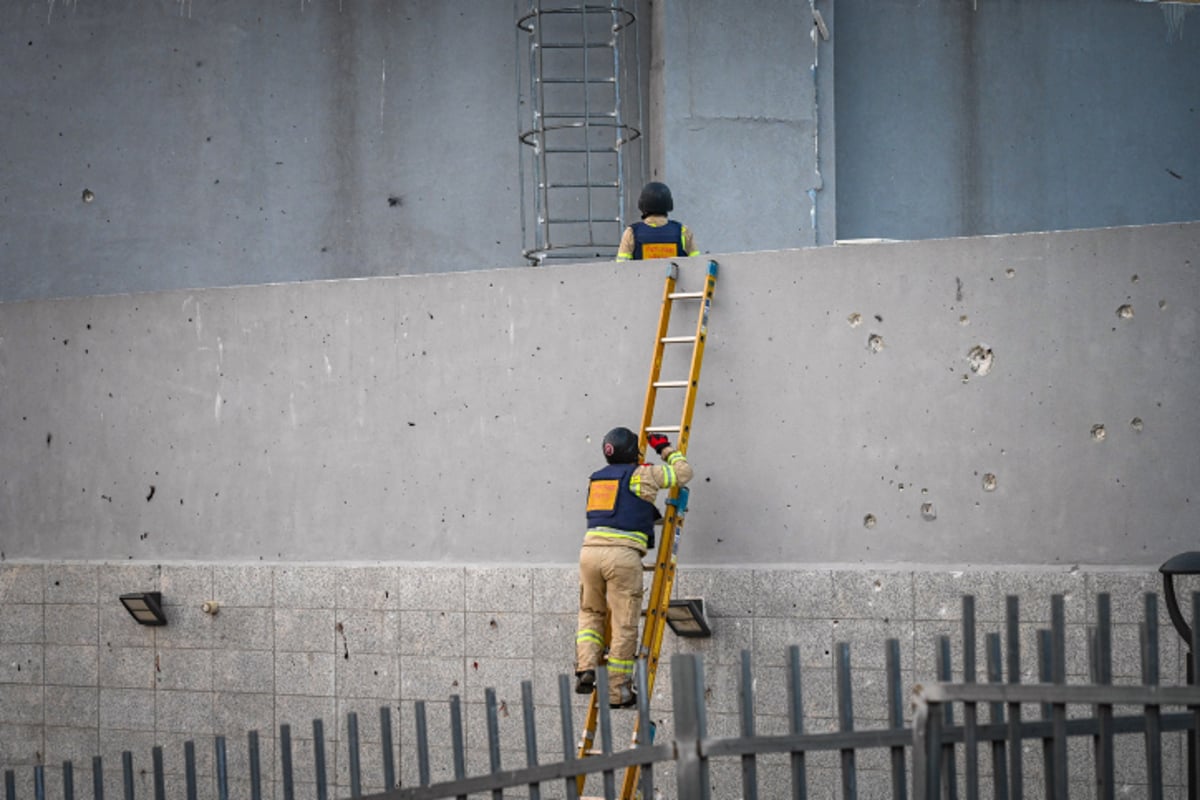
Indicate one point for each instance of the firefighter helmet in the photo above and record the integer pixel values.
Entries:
(621, 446)
(655, 199)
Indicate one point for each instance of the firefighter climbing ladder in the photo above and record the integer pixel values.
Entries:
(676, 508)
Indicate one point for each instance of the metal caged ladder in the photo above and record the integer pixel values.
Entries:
(659, 596)
(581, 113)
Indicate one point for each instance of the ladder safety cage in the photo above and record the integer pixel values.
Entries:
(659, 597)
(578, 112)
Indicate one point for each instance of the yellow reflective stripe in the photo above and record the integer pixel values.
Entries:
(588, 635)
(624, 256)
(675, 456)
(635, 484)
(668, 476)
(619, 666)
(683, 242)
(636, 537)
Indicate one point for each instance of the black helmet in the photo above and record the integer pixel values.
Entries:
(655, 199)
(621, 446)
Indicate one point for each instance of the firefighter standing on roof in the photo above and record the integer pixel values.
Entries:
(621, 516)
(656, 236)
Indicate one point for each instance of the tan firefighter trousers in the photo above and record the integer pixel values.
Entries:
(610, 580)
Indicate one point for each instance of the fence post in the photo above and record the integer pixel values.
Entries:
(687, 687)
(845, 713)
(749, 765)
(796, 723)
(1016, 778)
(896, 717)
(387, 753)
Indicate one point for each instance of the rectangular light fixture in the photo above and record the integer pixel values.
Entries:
(145, 607)
(686, 618)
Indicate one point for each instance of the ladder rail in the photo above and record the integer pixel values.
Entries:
(663, 582)
(665, 564)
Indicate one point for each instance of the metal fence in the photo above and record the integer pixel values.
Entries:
(935, 755)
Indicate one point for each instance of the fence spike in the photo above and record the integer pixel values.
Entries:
(387, 753)
(531, 748)
(422, 743)
(160, 787)
(253, 757)
(796, 724)
(222, 769)
(746, 706)
(285, 761)
(352, 748)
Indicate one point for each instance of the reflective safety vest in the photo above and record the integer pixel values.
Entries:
(613, 510)
(664, 241)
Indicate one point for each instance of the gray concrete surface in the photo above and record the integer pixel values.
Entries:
(453, 418)
(228, 144)
(979, 118)
(232, 143)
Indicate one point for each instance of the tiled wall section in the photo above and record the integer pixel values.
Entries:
(290, 644)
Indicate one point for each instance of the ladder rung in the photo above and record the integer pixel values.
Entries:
(604, 115)
(571, 221)
(573, 45)
(588, 150)
(662, 429)
(571, 81)
(677, 339)
(671, 384)
(681, 295)
(612, 185)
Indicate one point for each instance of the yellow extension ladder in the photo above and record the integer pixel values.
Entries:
(659, 599)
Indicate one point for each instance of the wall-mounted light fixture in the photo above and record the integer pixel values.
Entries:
(1182, 564)
(145, 607)
(1185, 564)
(686, 618)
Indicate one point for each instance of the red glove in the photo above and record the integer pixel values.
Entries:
(658, 442)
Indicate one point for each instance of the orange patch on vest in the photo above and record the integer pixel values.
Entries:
(659, 250)
(602, 495)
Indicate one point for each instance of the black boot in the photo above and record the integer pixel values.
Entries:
(585, 681)
(628, 698)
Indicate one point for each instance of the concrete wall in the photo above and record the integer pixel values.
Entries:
(381, 483)
(743, 122)
(454, 417)
(231, 143)
(962, 119)
(226, 144)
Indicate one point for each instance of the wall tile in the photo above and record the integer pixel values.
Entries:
(306, 587)
(368, 589)
(239, 585)
(432, 588)
(22, 623)
(71, 624)
(499, 589)
(72, 583)
(72, 665)
(22, 583)
(305, 673)
(126, 710)
(72, 707)
(793, 593)
(22, 664)
(301, 630)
